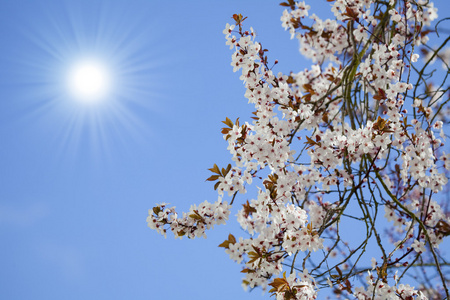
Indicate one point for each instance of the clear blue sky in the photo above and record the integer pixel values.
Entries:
(76, 181)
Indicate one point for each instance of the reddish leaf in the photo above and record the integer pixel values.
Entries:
(215, 169)
(228, 122)
(156, 210)
(216, 185)
(248, 210)
(213, 178)
(248, 271)
(226, 243)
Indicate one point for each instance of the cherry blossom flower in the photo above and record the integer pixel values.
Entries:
(337, 142)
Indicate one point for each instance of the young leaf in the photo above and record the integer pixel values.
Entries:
(215, 169)
(216, 185)
(213, 178)
(156, 210)
(228, 122)
(310, 142)
(279, 284)
(248, 210)
(248, 271)
(226, 243)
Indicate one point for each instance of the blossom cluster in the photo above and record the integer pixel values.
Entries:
(356, 131)
(192, 224)
(378, 290)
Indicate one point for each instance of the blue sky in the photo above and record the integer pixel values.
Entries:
(77, 180)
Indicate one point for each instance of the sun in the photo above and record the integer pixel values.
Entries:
(89, 81)
(91, 76)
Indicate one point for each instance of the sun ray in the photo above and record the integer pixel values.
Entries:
(105, 50)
